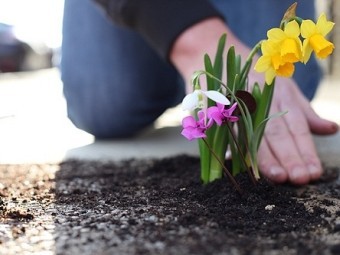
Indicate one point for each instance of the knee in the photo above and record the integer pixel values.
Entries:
(104, 125)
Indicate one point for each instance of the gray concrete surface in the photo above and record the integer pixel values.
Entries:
(34, 127)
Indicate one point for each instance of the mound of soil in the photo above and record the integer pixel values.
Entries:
(161, 207)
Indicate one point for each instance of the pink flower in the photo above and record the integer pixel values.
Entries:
(219, 114)
(193, 129)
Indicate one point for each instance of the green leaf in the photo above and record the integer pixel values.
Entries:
(219, 146)
(264, 106)
(231, 67)
(244, 74)
(256, 92)
(211, 83)
(218, 63)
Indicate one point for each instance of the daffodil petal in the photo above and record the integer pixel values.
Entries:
(270, 47)
(323, 26)
(269, 76)
(308, 28)
(292, 29)
(307, 51)
(276, 35)
(262, 64)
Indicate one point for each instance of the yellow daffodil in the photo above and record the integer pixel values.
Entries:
(272, 63)
(315, 40)
(290, 43)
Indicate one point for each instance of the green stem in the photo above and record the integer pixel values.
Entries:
(245, 70)
(226, 171)
(254, 51)
(219, 146)
(204, 161)
(241, 153)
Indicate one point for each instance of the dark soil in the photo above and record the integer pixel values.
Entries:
(160, 207)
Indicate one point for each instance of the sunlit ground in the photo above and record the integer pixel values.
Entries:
(33, 122)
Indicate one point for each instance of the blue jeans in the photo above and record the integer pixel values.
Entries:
(114, 83)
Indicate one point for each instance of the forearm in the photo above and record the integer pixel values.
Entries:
(160, 22)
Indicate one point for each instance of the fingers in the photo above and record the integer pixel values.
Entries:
(287, 152)
(269, 166)
(317, 125)
(291, 142)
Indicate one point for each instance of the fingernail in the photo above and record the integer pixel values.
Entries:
(335, 127)
(314, 171)
(298, 174)
(276, 171)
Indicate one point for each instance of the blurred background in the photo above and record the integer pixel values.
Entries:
(33, 121)
(30, 34)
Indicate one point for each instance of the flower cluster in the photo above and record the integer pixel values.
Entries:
(218, 114)
(227, 116)
(294, 43)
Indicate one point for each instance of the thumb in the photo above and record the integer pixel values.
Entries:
(318, 125)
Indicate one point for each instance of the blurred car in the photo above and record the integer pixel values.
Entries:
(17, 55)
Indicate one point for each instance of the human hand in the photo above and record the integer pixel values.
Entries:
(287, 152)
(189, 48)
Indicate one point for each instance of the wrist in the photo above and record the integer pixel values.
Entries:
(188, 49)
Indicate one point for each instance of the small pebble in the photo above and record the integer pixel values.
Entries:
(269, 207)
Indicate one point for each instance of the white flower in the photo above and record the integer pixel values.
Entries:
(194, 100)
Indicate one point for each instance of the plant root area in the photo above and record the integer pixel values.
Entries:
(159, 206)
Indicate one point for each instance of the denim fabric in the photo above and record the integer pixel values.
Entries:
(115, 84)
